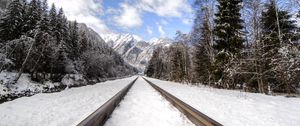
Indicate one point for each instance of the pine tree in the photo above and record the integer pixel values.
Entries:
(203, 40)
(59, 64)
(203, 63)
(228, 37)
(83, 43)
(73, 42)
(177, 63)
(278, 31)
(151, 68)
(61, 29)
(11, 23)
(33, 16)
(183, 44)
(229, 26)
(270, 27)
(53, 20)
(45, 22)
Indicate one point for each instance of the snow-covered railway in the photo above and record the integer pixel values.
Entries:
(144, 105)
(99, 116)
(194, 115)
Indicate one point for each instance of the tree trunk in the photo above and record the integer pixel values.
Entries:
(24, 63)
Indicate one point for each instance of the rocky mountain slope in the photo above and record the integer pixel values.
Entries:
(134, 50)
(110, 58)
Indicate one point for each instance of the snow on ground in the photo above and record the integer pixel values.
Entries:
(64, 108)
(23, 84)
(143, 106)
(235, 108)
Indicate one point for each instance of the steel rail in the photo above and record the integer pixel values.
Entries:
(100, 116)
(195, 116)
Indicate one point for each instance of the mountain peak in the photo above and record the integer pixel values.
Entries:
(133, 48)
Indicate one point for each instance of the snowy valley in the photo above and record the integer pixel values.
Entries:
(134, 50)
(93, 63)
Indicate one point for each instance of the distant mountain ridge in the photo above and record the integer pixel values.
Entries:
(134, 50)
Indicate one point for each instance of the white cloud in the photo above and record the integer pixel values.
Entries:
(84, 11)
(166, 8)
(131, 11)
(149, 30)
(129, 17)
(161, 31)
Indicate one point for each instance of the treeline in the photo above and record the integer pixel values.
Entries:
(235, 44)
(42, 42)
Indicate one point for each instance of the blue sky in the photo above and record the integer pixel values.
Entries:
(144, 18)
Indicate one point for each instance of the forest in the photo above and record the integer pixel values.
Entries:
(41, 42)
(252, 45)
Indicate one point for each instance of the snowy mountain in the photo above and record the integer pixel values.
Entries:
(110, 57)
(133, 49)
(93, 36)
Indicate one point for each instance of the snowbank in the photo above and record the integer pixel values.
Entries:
(235, 108)
(64, 108)
(26, 87)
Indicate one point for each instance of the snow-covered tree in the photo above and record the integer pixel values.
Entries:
(61, 27)
(286, 68)
(155, 65)
(73, 42)
(11, 24)
(43, 25)
(278, 30)
(32, 17)
(228, 37)
(202, 35)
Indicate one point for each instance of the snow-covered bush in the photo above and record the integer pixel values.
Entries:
(74, 80)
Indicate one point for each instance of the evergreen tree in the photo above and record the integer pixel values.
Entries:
(177, 63)
(271, 28)
(278, 31)
(11, 23)
(151, 68)
(228, 37)
(73, 43)
(229, 26)
(43, 47)
(203, 61)
(61, 29)
(83, 43)
(33, 16)
(203, 43)
(44, 23)
(59, 64)
(183, 44)
(53, 20)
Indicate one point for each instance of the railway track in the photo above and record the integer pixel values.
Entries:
(99, 117)
(196, 117)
